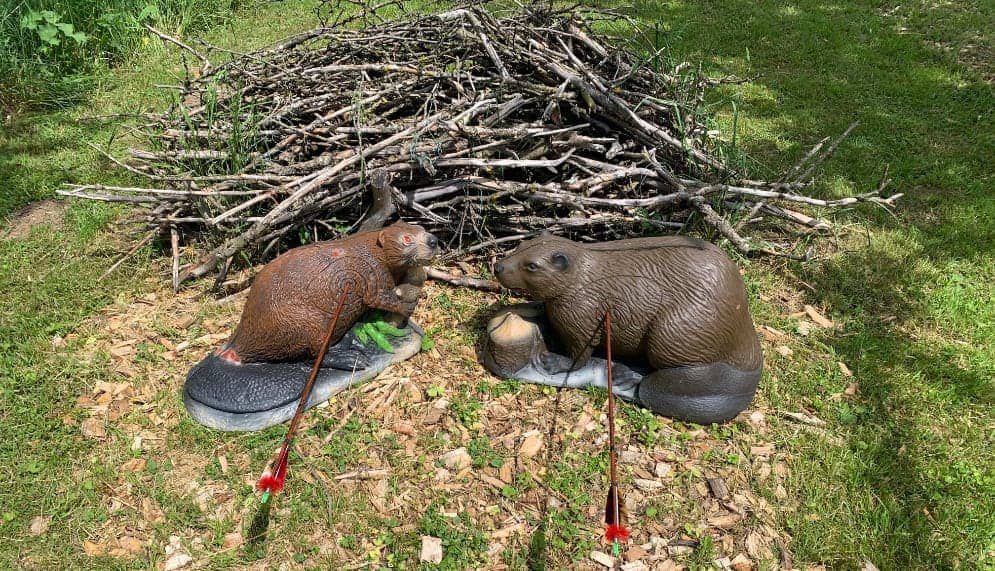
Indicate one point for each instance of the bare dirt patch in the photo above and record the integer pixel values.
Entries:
(48, 212)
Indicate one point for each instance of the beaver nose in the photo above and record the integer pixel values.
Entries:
(432, 241)
(499, 268)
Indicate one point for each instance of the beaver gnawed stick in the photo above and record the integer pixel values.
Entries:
(486, 130)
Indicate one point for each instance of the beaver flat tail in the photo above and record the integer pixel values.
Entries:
(704, 394)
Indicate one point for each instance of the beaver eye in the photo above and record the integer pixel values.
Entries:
(531, 266)
(406, 239)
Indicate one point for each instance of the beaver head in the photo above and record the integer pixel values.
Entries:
(546, 267)
(407, 245)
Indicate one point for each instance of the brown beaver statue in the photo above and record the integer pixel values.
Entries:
(682, 329)
(255, 379)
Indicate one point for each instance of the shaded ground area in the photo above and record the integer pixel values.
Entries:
(915, 293)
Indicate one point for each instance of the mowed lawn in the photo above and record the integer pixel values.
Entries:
(903, 472)
(914, 485)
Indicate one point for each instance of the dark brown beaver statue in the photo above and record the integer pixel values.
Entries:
(254, 379)
(682, 325)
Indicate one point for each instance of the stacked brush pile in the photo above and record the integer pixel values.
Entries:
(484, 126)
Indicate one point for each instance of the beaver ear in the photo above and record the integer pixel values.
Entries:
(381, 237)
(560, 261)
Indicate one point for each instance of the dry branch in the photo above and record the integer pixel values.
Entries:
(485, 129)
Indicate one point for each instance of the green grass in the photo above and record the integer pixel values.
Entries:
(40, 151)
(52, 53)
(51, 283)
(911, 487)
(51, 287)
(906, 478)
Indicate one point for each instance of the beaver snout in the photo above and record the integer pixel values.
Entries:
(507, 276)
(425, 249)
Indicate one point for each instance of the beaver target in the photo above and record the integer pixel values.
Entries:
(254, 380)
(681, 323)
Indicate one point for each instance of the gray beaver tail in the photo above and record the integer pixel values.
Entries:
(704, 394)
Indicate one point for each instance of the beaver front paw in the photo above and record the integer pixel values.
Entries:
(408, 294)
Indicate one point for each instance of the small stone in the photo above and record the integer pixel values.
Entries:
(174, 545)
(845, 370)
(39, 525)
(456, 459)
(679, 549)
(644, 484)
(233, 539)
(663, 469)
(176, 561)
(531, 445)
(630, 457)
(506, 473)
(784, 350)
(722, 563)
(603, 558)
(431, 549)
(635, 566)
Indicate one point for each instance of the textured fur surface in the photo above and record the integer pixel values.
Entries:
(676, 301)
(293, 297)
(680, 314)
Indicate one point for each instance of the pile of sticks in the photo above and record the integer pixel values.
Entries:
(486, 128)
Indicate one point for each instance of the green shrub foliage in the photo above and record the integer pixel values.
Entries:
(52, 51)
